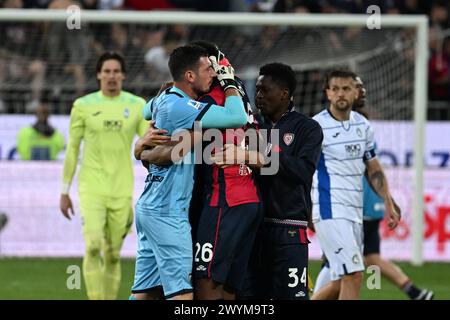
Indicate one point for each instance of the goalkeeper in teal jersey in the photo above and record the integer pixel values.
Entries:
(107, 122)
(164, 258)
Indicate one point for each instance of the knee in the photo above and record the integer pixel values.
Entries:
(93, 248)
(112, 256)
(355, 278)
(372, 259)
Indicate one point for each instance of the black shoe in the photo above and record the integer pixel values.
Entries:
(425, 294)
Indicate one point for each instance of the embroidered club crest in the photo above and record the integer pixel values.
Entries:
(358, 132)
(288, 138)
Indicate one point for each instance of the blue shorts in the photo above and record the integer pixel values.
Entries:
(164, 256)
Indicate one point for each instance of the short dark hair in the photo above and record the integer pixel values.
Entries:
(110, 55)
(184, 58)
(211, 48)
(282, 74)
(338, 73)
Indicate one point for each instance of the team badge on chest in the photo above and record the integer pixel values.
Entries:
(359, 132)
(288, 138)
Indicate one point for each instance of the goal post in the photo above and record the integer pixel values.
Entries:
(365, 61)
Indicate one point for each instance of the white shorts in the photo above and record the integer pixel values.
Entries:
(341, 241)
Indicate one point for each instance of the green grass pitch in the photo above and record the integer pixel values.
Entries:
(46, 279)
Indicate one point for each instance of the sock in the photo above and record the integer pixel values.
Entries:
(111, 275)
(93, 276)
(411, 290)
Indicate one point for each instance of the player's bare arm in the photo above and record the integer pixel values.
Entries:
(173, 150)
(159, 155)
(65, 205)
(233, 154)
(71, 159)
(379, 182)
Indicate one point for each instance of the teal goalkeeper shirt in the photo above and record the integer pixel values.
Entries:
(168, 189)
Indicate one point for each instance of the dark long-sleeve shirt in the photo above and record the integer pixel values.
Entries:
(287, 194)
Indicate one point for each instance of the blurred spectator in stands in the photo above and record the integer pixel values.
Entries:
(118, 38)
(149, 5)
(124, 39)
(88, 4)
(412, 6)
(36, 4)
(328, 7)
(297, 6)
(68, 50)
(44, 4)
(157, 58)
(202, 5)
(342, 40)
(242, 35)
(21, 56)
(439, 15)
(40, 141)
(110, 4)
(439, 67)
(392, 8)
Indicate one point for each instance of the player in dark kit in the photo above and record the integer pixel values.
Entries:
(280, 268)
(231, 211)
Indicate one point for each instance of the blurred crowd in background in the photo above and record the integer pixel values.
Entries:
(44, 62)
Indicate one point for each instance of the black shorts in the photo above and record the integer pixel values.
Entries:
(224, 242)
(279, 265)
(371, 236)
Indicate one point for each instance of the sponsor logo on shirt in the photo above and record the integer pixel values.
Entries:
(113, 125)
(195, 104)
(244, 170)
(353, 150)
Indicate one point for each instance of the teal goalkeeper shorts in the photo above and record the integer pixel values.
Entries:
(164, 256)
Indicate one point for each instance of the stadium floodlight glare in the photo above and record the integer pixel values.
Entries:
(378, 73)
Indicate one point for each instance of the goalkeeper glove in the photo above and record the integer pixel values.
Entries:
(225, 73)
